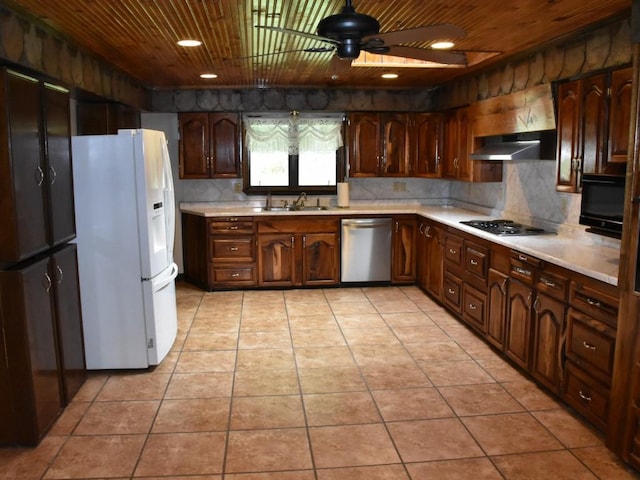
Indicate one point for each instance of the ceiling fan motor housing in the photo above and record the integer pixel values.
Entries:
(348, 28)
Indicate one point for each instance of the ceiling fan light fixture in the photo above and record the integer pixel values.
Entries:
(189, 43)
(442, 45)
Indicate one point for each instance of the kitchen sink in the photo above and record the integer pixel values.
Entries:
(295, 209)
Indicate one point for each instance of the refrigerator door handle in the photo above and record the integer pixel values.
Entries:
(163, 278)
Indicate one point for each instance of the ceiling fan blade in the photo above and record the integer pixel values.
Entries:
(437, 56)
(428, 33)
(298, 33)
(270, 54)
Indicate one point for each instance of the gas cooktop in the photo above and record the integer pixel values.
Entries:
(506, 227)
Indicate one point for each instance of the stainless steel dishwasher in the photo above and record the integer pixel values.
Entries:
(366, 250)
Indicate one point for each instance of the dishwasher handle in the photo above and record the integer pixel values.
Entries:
(366, 223)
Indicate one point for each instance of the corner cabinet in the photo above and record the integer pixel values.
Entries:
(378, 144)
(298, 252)
(458, 143)
(403, 255)
(210, 145)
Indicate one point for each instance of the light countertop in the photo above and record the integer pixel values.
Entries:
(575, 253)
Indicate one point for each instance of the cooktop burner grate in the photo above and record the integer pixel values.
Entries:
(505, 227)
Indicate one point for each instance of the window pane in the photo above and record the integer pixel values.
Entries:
(317, 168)
(269, 169)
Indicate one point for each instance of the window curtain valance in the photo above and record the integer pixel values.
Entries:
(293, 134)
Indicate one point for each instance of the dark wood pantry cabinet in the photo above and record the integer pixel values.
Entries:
(41, 346)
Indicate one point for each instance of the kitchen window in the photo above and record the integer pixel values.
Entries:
(293, 153)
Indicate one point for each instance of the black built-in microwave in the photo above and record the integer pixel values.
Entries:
(602, 205)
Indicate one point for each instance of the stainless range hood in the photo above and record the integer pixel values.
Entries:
(525, 146)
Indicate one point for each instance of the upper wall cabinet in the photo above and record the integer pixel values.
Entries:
(105, 118)
(378, 144)
(593, 126)
(426, 144)
(458, 143)
(36, 194)
(209, 145)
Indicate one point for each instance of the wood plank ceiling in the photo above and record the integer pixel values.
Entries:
(139, 36)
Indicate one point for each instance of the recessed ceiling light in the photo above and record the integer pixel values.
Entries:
(189, 43)
(442, 45)
(390, 75)
(208, 75)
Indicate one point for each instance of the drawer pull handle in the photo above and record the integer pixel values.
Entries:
(233, 249)
(233, 219)
(588, 346)
(472, 306)
(451, 291)
(593, 303)
(522, 257)
(473, 262)
(584, 396)
(233, 227)
(522, 271)
(452, 251)
(234, 275)
(548, 283)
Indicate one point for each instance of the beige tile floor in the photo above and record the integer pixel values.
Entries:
(358, 383)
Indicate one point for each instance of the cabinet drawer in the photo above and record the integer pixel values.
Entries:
(233, 275)
(231, 225)
(474, 307)
(453, 250)
(452, 291)
(552, 284)
(229, 249)
(476, 261)
(594, 302)
(591, 343)
(587, 396)
(523, 271)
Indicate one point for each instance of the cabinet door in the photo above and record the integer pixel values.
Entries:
(57, 139)
(548, 341)
(27, 320)
(422, 265)
(426, 143)
(497, 307)
(225, 145)
(465, 165)
(451, 140)
(194, 145)
(395, 145)
(568, 155)
(594, 122)
(403, 256)
(435, 260)
(518, 339)
(364, 145)
(620, 115)
(64, 274)
(22, 178)
(320, 259)
(276, 260)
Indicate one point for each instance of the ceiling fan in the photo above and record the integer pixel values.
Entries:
(350, 33)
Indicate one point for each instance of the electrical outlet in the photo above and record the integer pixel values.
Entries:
(237, 187)
(399, 186)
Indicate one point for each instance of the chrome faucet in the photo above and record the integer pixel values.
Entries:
(299, 203)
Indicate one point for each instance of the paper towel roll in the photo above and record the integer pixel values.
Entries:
(343, 195)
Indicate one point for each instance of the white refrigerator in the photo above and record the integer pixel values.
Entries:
(125, 222)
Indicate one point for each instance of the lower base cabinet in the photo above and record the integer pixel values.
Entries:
(41, 351)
